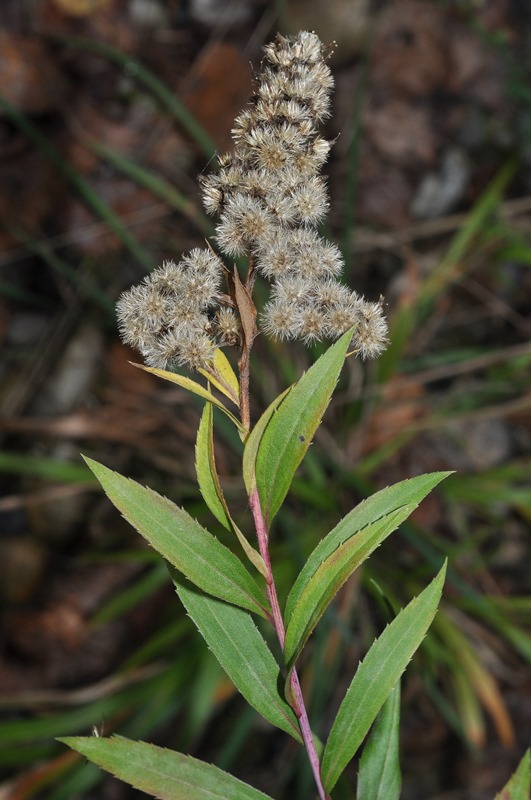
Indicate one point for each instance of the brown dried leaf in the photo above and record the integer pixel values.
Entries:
(246, 309)
(127, 200)
(217, 88)
(411, 49)
(80, 8)
(403, 403)
(29, 78)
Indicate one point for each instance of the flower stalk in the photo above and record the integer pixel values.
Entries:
(298, 704)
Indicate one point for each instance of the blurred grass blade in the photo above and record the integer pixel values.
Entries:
(449, 269)
(48, 468)
(475, 224)
(31, 299)
(290, 430)
(379, 775)
(164, 773)
(479, 680)
(234, 639)
(81, 284)
(18, 733)
(31, 784)
(519, 787)
(157, 185)
(192, 386)
(375, 677)
(330, 576)
(182, 541)
(408, 493)
(91, 197)
(140, 590)
(210, 487)
(134, 69)
(470, 719)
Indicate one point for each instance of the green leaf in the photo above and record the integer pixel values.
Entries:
(232, 636)
(289, 433)
(210, 487)
(380, 670)
(195, 388)
(330, 576)
(182, 541)
(379, 775)
(253, 441)
(406, 493)
(163, 773)
(519, 786)
(205, 466)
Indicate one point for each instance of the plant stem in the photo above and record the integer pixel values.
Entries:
(243, 366)
(296, 699)
(278, 622)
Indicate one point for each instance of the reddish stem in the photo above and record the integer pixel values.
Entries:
(296, 699)
(298, 704)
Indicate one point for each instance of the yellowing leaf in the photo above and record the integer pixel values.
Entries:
(223, 376)
(195, 388)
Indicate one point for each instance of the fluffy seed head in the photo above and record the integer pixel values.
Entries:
(269, 198)
(310, 201)
(243, 224)
(312, 324)
(165, 279)
(306, 47)
(280, 320)
(370, 337)
(227, 326)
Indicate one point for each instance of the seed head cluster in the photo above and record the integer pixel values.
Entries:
(169, 317)
(270, 198)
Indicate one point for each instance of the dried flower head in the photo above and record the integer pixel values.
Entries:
(269, 198)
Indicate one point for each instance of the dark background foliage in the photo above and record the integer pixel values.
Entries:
(109, 109)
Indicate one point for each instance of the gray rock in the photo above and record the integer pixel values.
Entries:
(440, 191)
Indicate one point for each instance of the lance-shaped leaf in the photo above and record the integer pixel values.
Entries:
(195, 388)
(330, 576)
(406, 493)
(162, 773)
(222, 376)
(253, 441)
(182, 541)
(379, 775)
(519, 786)
(375, 677)
(232, 636)
(210, 486)
(290, 430)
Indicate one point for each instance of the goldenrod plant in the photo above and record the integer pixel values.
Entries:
(269, 198)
